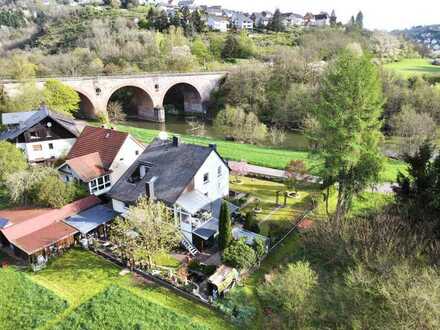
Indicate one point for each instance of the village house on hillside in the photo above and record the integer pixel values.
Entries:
(99, 158)
(38, 234)
(190, 179)
(218, 23)
(43, 135)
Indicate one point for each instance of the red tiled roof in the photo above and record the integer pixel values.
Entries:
(106, 142)
(22, 214)
(44, 237)
(88, 167)
(33, 224)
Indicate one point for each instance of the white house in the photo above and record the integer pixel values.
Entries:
(242, 22)
(291, 20)
(99, 158)
(263, 18)
(43, 135)
(218, 23)
(191, 180)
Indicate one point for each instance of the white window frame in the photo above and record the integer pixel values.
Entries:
(99, 184)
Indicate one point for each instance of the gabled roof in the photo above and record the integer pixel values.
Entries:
(88, 167)
(15, 118)
(67, 123)
(174, 167)
(105, 142)
(33, 230)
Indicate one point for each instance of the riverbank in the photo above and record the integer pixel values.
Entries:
(256, 155)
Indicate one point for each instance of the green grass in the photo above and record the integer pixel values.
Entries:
(78, 275)
(265, 191)
(413, 67)
(257, 155)
(118, 308)
(25, 304)
(167, 260)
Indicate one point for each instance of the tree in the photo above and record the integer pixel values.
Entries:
(276, 23)
(54, 193)
(359, 20)
(235, 123)
(225, 230)
(41, 186)
(231, 48)
(153, 229)
(295, 171)
(413, 128)
(347, 135)
(291, 293)
(12, 160)
(251, 223)
(22, 68)
(115, 112)
(198, 22)
(239, 255)
(200, 50)
(60, 97)
(418, 191)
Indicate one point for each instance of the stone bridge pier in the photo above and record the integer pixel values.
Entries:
(147, 96)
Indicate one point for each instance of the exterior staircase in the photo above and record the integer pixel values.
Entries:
(191, 248)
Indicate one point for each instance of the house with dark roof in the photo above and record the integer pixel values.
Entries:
(34, 233)
(43, 135)
(191, 180)
(99, 157)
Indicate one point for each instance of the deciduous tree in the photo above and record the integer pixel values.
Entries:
(60, 97)
(12, 160)
(348, 132)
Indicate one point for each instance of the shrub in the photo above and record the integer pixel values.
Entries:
(237, 307)
(251, 223)
(11, 160)
(239, 255)
(290, 293)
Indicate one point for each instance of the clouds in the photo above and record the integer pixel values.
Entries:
(378, 14)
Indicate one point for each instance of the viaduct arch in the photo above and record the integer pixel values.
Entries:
(150, 96)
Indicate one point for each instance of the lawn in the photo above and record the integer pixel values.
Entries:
(79, 276)
(413, 67)
(273, 220)
(257, 155)
(25, 304)
(118, 308)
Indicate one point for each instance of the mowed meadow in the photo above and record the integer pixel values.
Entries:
(82, 291)
(413, 67)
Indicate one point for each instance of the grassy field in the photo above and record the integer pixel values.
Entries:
(413, 67)
(265, 191)
(118, 308)
(25, 304)
(263, 156)
(79, 276)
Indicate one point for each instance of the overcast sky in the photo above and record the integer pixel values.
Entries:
(378, 14)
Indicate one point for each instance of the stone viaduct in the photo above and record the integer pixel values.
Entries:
(148, 94)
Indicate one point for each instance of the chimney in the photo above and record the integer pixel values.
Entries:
(149, 188)
(176, 141)
(213, 146)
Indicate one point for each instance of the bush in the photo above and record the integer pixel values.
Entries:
(290, 293)
(239, 255)
(237, 307)
(11, 160)
(251, 223)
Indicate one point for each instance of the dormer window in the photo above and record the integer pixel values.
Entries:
(139, 172)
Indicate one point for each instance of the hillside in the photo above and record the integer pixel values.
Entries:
(428, 36)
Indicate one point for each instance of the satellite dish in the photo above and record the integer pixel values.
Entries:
(163, 136)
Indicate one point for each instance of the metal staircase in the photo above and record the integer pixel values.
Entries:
(191, 248)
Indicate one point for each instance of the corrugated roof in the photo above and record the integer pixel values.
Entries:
(174, 167)
(91, 219)
(106, 142)
(67, 123)
(44, 237)
(88, 167)
(32, 224)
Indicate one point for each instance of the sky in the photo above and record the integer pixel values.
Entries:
(378, 14)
